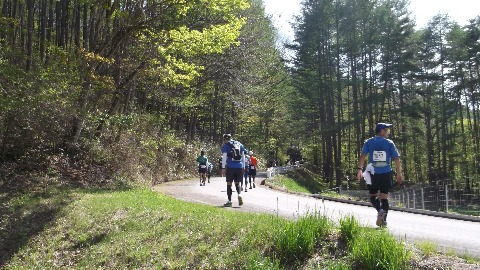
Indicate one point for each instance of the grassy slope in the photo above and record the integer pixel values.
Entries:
(303, 180)
(88, 229)
(139, 229)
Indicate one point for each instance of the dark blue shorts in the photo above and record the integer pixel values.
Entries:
(234, 175)
(382, 182)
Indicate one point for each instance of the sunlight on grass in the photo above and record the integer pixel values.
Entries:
(289, 184)
(143, 229)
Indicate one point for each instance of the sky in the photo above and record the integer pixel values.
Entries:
(461, 11)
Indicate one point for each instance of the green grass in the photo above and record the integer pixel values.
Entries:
(373, 248)
(376, 249)
(349, 229)
(428, 248)
(91, 229)
(471, 210)
(142, 229)
(469, 258)
(308, 178)
(297, 240)
(289, 184)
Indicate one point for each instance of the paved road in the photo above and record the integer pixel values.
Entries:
(460, 235)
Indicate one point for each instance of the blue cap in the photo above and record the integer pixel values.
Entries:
(381, 126)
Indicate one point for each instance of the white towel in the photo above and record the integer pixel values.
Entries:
(367, 174)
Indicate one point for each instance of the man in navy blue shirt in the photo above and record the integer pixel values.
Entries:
(233, 166)
(381, 151)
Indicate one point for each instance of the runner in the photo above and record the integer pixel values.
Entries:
(245, 174)
(233, 165)
(209, 170)
(252, 169)
(381, 151)
(202, 167)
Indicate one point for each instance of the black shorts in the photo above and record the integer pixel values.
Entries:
(382, 182)
(252, 172)
(234, 175)
(202, 168)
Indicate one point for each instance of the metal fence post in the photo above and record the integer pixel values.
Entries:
(408, 199)
(423, 199)
(403, 200)
(446, 197)
(414, 200)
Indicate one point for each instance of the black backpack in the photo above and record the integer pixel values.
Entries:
(235, 151)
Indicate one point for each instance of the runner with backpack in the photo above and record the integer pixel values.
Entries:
(233, 165)
(202, 167)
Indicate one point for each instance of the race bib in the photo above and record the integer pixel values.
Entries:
(203, 166)
(379, 156)
(252, 167)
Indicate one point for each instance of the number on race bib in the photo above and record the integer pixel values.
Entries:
(203, 166)
(379, 156)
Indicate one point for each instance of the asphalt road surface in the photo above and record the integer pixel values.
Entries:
(448, 233)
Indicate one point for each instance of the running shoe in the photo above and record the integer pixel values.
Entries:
(228, 204)
(381, 218)
(253, 184)
(240, 200)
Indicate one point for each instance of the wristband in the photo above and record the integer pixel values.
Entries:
(360, 168)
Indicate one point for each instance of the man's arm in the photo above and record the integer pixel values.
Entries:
(224, 160)
(398, 165)
(361, 161)
(244, 161)
(224, 163)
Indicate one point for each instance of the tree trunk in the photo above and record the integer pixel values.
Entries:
(30, 7)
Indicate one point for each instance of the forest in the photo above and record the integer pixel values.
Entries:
(125, 90)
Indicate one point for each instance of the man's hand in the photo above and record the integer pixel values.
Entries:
(359, 175)
(223, 172)
(243, 169)
(399, 178)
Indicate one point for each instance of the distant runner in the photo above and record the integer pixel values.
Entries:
(202, 167)
(378, 174)
(233, 165)
(245, 174)
(209, 170)
(252, 169)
